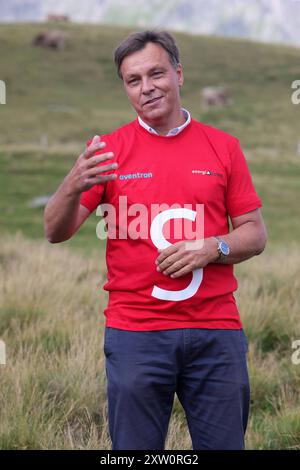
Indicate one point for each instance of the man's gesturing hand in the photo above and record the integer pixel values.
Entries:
(87, 172)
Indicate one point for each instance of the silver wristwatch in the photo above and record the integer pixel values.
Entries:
(223, 249)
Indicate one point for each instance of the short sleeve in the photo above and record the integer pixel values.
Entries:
(241, 195)
(94, 196)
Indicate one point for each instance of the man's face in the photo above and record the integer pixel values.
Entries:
(152, 84)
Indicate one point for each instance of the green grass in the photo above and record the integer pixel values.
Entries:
(70, 95)
(53, 387)
(25, 175)
(73, 93)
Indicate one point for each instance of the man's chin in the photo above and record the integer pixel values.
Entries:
(154, 117)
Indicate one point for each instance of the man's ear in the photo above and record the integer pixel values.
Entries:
(180, 75)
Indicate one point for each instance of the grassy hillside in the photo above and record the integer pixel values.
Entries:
(69, 94)
(56, 100)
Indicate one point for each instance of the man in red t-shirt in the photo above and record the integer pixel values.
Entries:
(172, 323)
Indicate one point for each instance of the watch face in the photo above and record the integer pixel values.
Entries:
(224, 248)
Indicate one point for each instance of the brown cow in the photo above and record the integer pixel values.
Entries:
(51, 17)
(215, 96)
(51, 39)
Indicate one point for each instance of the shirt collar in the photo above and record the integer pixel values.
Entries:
(172, 132)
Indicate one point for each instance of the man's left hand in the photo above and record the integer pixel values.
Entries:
(185, 256)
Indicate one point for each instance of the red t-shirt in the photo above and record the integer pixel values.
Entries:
(199, 166)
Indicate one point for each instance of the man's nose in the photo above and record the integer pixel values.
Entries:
(147, 85)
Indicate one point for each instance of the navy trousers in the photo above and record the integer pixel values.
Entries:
(207, 369)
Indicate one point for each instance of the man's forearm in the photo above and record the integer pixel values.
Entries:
(61, 214)
(244, 241)
(248, 238)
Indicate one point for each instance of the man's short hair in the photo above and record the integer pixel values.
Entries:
(137, 41)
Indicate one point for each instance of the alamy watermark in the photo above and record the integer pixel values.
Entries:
(156, 221)
(2, 353)
(2, 92)
(296, 94)
(296, 354)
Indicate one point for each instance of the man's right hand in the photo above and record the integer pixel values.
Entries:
(87, 172)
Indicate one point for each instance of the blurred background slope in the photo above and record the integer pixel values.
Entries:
(267, 20)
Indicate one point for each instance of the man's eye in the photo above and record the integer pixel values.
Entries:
(157, 74)
(132, 82)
